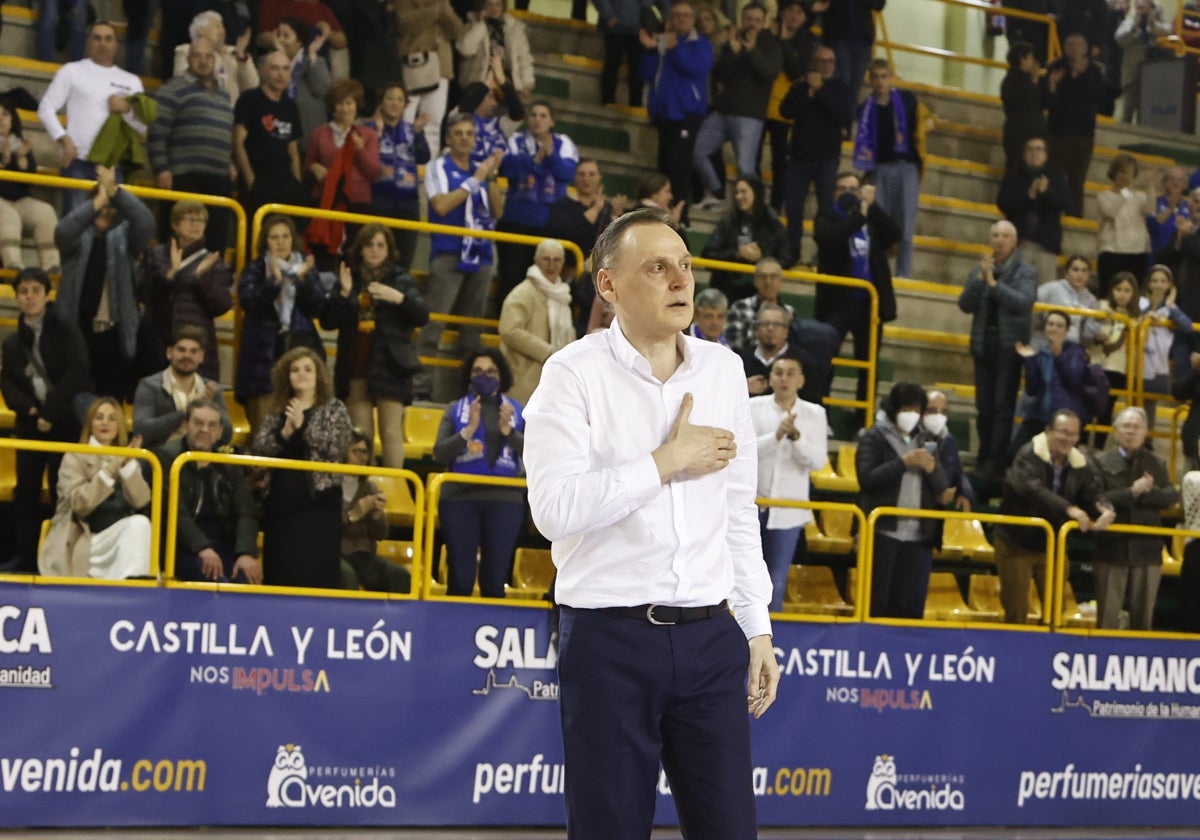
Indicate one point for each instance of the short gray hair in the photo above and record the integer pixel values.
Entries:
(767, 306)
(711, 298)
(1132, 411)
(608, 243)
(548, 247)
(201, 21)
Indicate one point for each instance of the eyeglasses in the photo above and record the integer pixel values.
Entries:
(771, 325)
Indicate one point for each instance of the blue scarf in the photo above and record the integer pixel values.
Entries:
(866, 139)
(475, 252)
(860, 253)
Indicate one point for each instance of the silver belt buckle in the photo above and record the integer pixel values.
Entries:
(650, 617)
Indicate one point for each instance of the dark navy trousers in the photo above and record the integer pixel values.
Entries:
(633, 695)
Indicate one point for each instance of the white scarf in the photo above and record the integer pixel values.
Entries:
(558, 304)
(180, 397)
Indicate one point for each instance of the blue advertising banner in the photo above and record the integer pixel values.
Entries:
(178, 707)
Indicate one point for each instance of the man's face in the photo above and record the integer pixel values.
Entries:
(1075, 47)
(1035, 154)
(768, 280)
(683, 19)
(1174, 181)
(202, 60)
(587, 178)
(650, 284)
(786, 378)
(1003, 241)
(825, 62)
(849, 184)
(1062, 435)
(753, 21)
(1131, 432)
(31, 298)
(185, 356)
(880, 79)
(102, 45)
(277, 71)
(540, 121)
(710, 320)
(461, 138)
(202, 429)
(936, 403)
(792, 17)
(771, 330)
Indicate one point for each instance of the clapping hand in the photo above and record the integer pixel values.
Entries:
(506, 418)
(357, 139)
(305, 267)
(787, 428)
(383, 293)
(474, 414)
(293, 418)
(987, 268)
(421, 121)
(1142, 485)
(176, 259)
(647, 40)
(345, 279)
(106, 177)
(1024, 350)
(207, 263)
(210, 389)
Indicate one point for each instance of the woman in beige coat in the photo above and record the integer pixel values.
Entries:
(426, 32)
(535, 320)
(97, 530)
(491, 32)
(235, 66)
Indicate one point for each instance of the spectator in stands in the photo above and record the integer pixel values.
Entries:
(959, 493)
(232, 67)
(1054, 379)
(768, 282)
(853, 238)
(425, 34)
(796, 46)
(20, 213)
(708, 322)
(1033, 32)
(1034, 196)
(895, 469)
(539, 165)
(1089, 18)
(1167, 349)
(1168, 207)
(308, 77)
(314, 14)
(1187, 389)
(791, 437)
(302, 514)
(849, 27)
(161, 399)
(375, 309)
(712, 24)
(217, 529)
(1071, 290)
(364, 524)
(654, 190)
(676, 64)
(99, 529)
(266, 139)
(493, 32)
(1024, 117)
(1051, 479)
(402, 148)
(1137, 35)
(183, 283)
(771, 341)
(749, 232)
(1074, 86)
(281, 298)
(190, 143)
(1123, 240)
(619, 23)
(89, 90)
(460, 268)
(1137, 485)
(100, 242)
(1182, 255)
(1113, 340)
(43, 368)
(535, 320)
(492, 125)
(482, 433)
(893, 156)
(174, 28)
(821, 108)
(745, 70)
(999, 296)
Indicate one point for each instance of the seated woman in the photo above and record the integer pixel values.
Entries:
(364, 524)
(302, 515)
(482, 434)
(99, 529)
(896, 469)
(1053, 378)
(20, 213)
(749, 232)
(183, 283)
(281, 298)
(535, 320)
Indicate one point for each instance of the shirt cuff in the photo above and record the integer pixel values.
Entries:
(106, 478)
(754, 619)
(131, 467)
(641, 477)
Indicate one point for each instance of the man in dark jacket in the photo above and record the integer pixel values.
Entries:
(1000, 295)
(849, 27)
(1053, 480)
(821, 108)
(1033, 196)
(161, 400)
(1138, 487)
(746, 70)
(1074, 87)
(217, 528)
(42, 370)
(853, 238)
(676, 65)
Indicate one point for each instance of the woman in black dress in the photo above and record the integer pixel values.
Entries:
(302, 516)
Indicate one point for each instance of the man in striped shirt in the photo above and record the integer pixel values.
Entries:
(190, 142)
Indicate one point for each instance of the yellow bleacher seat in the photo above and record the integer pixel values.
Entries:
(241, 424)
(983, 595)
(399, 506)
(827, 480)
(8, 474)
(8, 417)
(1170, 565)
(830, 532)
(420, 430)
(845, 464)
(1072, 615)
(964, 539)
(396, 551)
(533, 573)
(944, 601)
(811, 589)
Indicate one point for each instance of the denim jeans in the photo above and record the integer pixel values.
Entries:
(779, 547)
(745, 134)
(898, 190)
(47, 27)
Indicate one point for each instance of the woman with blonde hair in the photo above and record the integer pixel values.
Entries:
(302, 515)
(535, 320)
(98, 529)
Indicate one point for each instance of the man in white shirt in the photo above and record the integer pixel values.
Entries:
(89, 90)
(640, 456)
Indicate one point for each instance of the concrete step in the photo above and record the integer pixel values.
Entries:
(19, 36)
(954, 218)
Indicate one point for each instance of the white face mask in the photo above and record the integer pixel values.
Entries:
(935, 423)
(906, 421)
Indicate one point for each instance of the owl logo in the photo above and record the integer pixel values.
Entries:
(883, 776)
(289, 764)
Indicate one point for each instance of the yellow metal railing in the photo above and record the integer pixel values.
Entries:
(868, 553)
(156, 486)
(153, 193)
(304, 466)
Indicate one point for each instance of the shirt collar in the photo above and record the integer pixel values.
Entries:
(629, 358)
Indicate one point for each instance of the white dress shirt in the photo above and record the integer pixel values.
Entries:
(83, 88)
(620, 536)
(784, 465)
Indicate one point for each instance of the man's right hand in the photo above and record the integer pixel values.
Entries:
(987, 268)
(920, 459)
(1080, 516)
(210, 564)
(692, 451)
(69, 152)
(757, 384)
(647, 40)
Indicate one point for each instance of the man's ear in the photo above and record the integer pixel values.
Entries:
(604, 285)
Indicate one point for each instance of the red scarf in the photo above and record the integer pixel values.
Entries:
(325, 232)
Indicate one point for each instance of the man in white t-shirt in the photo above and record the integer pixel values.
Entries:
(89, 90)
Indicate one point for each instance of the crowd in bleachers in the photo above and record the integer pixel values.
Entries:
(343, 106)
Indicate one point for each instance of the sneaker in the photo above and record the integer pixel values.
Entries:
(711, 202)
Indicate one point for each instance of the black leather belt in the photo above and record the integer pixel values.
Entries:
(661, 615)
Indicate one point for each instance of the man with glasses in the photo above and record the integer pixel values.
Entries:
(771, 334)
(739, 321)
(1034, 196)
